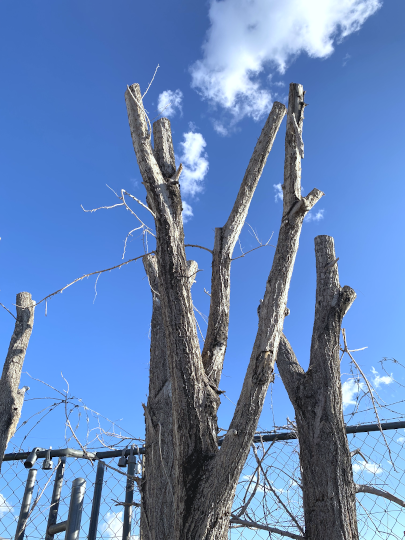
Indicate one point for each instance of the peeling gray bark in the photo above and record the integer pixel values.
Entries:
(11, 397)
(327, 478)
(205, 478)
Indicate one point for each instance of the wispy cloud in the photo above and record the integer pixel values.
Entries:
(170, 102)
(279, 192)
(250, 38)
(314, 217)
(346, 58)
(195, 163)
(378, 380)
(112, 526)
(350, 390)
(187, 212)
(368, 467)
(5, 507)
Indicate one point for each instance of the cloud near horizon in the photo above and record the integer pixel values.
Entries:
(251, 38)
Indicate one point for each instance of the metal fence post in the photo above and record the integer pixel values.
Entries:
(25, 505)
(95, 509)
(129, 497)
(75, 509)
(57, 488)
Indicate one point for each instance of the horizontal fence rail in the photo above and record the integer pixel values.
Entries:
(268, 499)
(138, 450)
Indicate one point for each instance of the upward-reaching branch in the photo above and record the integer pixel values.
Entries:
(225, 239)
(11, 398)
(194, 402)
(317, 399)
(227, 464)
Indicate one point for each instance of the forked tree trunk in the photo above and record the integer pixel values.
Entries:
(204, 478)
(327, 478)
(11, 397)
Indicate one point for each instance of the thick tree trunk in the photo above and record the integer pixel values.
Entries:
(205, 478)
(157, 509)
(11, 397)
(327, 478)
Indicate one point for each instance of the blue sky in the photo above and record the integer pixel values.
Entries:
(64, 135)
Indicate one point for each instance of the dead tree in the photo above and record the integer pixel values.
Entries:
(202, 478)
(11, 397)
(329, 493)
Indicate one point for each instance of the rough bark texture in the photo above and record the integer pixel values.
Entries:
(11, 397)
(225, 240)
(327, 478)
(205, 478)
(157, 491)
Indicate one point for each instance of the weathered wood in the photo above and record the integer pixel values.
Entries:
(11, 397)
(327, 478)
(205, 479)
(157, 483)
(163, 147)
(225, 240)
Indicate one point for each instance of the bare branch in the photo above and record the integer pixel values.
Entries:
(200, 247)
(225, 240)
(92, 274)
(3, 306)
(380, 493)
(256, 525)
(11, 397)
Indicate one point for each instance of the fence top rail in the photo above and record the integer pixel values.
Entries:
(137, 450)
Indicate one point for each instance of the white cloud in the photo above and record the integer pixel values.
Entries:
(5, 507)
(314, 217)
(350, 389)
(346, 58)
(195, 163)
(279, 192)
(401, 440)
(367, 467)
(112, 526)
(379, 380)
(187, 212)
(247, 37)
(169, 102)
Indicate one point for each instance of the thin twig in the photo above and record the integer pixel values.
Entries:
(370, 389)
(92, 274)
(3, 306)
(200, 247)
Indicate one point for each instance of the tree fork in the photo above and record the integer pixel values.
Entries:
(327, 478)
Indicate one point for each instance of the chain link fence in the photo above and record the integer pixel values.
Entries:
(268, 495)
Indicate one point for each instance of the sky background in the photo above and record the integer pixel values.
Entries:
(64, 135)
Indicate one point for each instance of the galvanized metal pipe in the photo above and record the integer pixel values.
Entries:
(57, 528)
(75, 509)
(25, 505)
(57, 489)
(129, 497)
(95, 509)
(266, 437)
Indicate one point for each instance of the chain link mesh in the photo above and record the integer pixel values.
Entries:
(269, 495)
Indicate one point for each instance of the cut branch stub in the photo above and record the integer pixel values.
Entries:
(163, 147)
(11, 397)
(293, 148)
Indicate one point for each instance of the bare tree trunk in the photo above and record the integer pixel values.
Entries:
(205, 478)
(327, 478)
(157, 487)
(11, 398)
